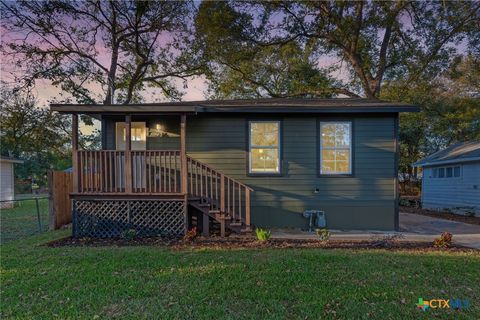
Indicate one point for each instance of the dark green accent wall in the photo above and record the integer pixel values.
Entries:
(365, 200)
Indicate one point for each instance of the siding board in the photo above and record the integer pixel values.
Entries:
(364, 201)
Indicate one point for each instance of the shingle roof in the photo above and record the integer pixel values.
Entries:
(267, 105)
(456, 153)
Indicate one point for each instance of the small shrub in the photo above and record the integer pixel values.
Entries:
(262, 234)
(323, 234)
(130, 234)
(444, 241)
(191, 234)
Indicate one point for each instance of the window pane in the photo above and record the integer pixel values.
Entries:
(441, 173)
(343, 155)
(264, 134)
(264, 160)
(342, 167)
(435, 173)
(328, 135)
(456, 172)
(342, 135)
(328, 155)
(449, 172)
(328, 141)
(328, 166)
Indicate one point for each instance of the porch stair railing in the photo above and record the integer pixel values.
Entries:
(158, 172)
(223, 198)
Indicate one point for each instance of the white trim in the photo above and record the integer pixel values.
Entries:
(349, 148)
(250, 146)
(11, 160)
(439, 163)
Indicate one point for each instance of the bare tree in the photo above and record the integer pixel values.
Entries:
(123, 46)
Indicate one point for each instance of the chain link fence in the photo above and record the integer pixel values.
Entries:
(23, 217)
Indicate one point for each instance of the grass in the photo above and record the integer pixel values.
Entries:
(21, 221)
(154, 282)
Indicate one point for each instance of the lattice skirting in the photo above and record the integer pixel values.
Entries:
(115, 218)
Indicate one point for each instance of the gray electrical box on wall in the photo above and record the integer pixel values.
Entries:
(316, 218)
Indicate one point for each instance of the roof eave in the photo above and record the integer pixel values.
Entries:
(193, 109)
(450, 161)
(312, 110)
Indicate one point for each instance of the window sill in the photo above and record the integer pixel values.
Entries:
(336, 175)
(264, 174)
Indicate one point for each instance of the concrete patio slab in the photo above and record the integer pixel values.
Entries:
(413, 227)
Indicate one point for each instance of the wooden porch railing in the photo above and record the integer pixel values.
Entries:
(152, 172)
(223, 193)
(101, 171)
(159, 172)
(156, 171)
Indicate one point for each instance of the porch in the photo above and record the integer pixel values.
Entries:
(116, 177)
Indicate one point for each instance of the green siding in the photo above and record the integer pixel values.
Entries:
(364, 201)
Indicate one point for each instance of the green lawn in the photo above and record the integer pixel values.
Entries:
(21, 221)
(153, 282)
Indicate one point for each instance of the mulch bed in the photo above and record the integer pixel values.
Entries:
(244, 242)
(442, 215)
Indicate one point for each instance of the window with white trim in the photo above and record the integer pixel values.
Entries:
(446, 172)
(264, 146)
(335, 147)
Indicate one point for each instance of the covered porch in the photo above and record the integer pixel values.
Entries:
(158, 175)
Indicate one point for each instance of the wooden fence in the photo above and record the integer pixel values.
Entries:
(60, 205)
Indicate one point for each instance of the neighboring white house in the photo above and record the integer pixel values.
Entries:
(7, 180)
(451, 178)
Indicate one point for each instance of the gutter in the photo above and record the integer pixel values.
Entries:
(435, 163)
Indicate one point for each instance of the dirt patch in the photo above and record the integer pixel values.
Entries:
(250, 243)
(442, 215)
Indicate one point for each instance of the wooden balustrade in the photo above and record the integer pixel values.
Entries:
(159, 172)
(104, 171)
(156, 171)
(101, 171)
(223, 193)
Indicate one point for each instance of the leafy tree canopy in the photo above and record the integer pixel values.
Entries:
(450, 110)
(405, 41)
(36, 135)
(122, 47)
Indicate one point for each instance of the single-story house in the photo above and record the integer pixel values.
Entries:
(7, 179)
(451, 178)
(234, 164)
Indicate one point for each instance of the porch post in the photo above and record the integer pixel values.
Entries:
(128, 154)
(74, 152)
(183, 152)
(183, 164)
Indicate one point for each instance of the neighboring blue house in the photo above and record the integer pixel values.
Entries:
(451, 178)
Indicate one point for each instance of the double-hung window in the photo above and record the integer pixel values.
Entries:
(335, 147)
(264, 147)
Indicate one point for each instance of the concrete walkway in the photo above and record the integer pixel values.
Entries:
(413, 227)
(463, 233)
